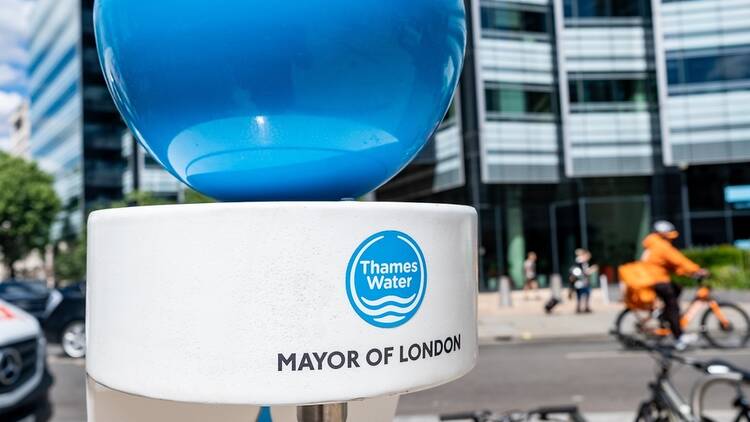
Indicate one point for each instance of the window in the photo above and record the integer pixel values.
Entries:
(608, 91)
(604, 8)
(710, 68)
(502, 19)
(518, 100)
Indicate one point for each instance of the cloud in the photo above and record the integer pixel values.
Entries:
(11, 76)
(14, 28)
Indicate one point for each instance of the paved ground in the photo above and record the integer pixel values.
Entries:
(68, 394)
(526, 320)
(598, 376)
(606, 382)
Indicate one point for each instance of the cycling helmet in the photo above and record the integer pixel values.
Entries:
(666, 229)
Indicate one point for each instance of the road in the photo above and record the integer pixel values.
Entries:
(596, 375)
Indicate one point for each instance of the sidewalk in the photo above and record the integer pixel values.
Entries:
(527, 321)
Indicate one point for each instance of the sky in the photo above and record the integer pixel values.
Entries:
(14, 22)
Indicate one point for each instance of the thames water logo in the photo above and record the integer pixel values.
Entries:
(386, 279)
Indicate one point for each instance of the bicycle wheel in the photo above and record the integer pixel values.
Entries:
(636, 325)
(736, 334)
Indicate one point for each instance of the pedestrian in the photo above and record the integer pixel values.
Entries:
(580, 280)
(529, 271)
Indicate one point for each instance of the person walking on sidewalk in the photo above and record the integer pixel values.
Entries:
(529, 271)
(580, 280)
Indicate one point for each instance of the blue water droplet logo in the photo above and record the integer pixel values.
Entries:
(386, 279)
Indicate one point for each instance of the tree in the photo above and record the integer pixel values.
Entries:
(28, 207)
(70, 260)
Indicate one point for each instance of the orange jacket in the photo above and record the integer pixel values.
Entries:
(663, 259)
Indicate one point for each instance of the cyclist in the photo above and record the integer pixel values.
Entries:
(662, 259)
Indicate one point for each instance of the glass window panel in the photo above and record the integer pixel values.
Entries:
(735, 67)
(573, 91)
(709, 231)
(534, 22)
(568, 8)
(714, 68)
(492, 99)
(702, 69)
(512, 101)
(516, 100)
(513, 20)
(592, 8)
(626, 8)
(501, 19)
(597, 91)
(741, 228)
(538, 102)
(674, 72)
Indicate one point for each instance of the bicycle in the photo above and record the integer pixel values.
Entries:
(666, 404)
(723, 324)
(549, 413)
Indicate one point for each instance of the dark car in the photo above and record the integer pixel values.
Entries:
(31, 296)
(65, 322)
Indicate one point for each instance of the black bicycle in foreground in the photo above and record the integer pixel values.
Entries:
(666, 404)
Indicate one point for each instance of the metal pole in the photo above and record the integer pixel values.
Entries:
(553, 233)
(555, 286)
(685, 205)
(583, 221)
(604, 286)
(335, 412)
(506, 300)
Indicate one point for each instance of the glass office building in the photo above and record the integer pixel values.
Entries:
(76, 131)
(579, 122)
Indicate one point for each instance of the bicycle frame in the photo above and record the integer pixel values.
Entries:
(666, 402)
(702, 298)
(668, 397)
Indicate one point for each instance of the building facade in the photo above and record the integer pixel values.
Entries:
(144, 174)
(20, 132)
(579, 122)
(76, 131)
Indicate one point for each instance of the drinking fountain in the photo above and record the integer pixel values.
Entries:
(289, 292)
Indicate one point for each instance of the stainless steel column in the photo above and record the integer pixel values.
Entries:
(322, 413)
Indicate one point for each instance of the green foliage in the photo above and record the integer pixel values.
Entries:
(193, 197)
(138, 199)
(70, 261)
(28, 207)
(728, 266)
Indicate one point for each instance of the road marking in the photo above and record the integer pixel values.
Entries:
(622, 354)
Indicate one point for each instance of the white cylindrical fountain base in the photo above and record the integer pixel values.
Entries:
(281, 303)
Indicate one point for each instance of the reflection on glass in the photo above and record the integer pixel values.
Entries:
(722, 67)
(604, 8)
(517, 100)
(608, 91)
(503, 19)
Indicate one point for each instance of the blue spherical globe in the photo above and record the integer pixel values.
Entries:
(282, 100)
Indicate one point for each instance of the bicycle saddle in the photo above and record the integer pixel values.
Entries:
(720, 366)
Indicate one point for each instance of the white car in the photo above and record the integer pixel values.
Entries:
(24, 380)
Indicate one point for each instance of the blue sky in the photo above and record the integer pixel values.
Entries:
(14, 22)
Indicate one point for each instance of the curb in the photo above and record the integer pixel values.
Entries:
(530, 339)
